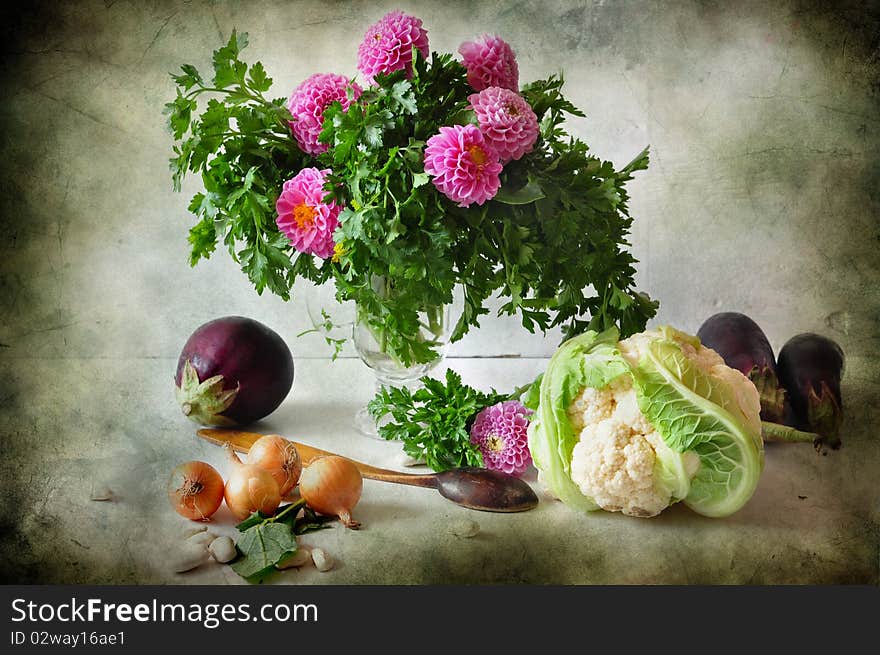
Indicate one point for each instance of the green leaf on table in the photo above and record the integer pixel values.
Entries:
(261, 547)
(310, 521)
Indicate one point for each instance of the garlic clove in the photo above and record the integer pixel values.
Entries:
(223, 549)
(201, 539)
(190, 531)
(188, 557)
(300, 557)
(323, 561)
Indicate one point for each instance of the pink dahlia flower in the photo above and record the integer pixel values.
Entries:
(490, 62)
(465, 167)
(308, 102)
(499, 432)
(303, 215)
(506, 120)
(387, 45)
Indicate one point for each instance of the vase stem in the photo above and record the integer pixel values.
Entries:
(371, 342)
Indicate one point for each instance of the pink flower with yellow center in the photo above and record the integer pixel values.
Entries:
(506, 120)
(304, 217)
(465, 167)
(500, 433)
(388, 44)
(490, 61)
(308, 102)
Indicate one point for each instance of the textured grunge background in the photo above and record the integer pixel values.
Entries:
(763, 196)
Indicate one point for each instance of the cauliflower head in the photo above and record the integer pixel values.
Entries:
(636, 425)
(619, 458)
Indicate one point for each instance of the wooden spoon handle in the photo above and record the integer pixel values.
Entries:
(242, 442)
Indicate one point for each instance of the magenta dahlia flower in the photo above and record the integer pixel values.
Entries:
(499, 432)
(308, 102)
(490, 61)
(506, 120)
(464, 165)
(303, 215)
(387, 45)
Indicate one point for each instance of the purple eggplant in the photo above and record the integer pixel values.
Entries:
(810, 368)
(743, 345)
(233, 371)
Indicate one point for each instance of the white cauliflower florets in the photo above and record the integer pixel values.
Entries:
(613, 462)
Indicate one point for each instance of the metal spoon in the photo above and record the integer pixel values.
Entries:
(474, 488)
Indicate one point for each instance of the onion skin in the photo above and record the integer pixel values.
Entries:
(280, 458)
(195, 490)
(250, 489)
(332, 485)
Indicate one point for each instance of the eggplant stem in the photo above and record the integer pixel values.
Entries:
(777, 432)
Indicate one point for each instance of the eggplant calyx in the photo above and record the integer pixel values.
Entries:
(204, 402)
(824, 415)
(771, 393)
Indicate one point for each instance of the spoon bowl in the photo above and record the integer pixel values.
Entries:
(486, 490)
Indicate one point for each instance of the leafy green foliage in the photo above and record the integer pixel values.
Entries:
(268, 540)
(324, 328)
(434, 421)
(552, 243)
(262, 547)
(240, 145)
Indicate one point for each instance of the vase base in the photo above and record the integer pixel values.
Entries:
(366, 424)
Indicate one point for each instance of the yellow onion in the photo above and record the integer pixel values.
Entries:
(332, 485)
(250, 489)
(195, 490)
(280, 458)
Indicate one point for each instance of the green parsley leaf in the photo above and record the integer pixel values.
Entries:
(258, 79)
(433, 422)
(203, 238)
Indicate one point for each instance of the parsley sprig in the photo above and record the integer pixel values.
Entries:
(552, 244)
(434, 421)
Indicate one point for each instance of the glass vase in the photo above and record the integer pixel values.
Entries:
(435, 328)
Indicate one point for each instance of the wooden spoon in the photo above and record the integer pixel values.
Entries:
(474, 488)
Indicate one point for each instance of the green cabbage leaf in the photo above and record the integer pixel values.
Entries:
(694, 412)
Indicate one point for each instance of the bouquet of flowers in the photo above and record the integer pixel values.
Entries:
(424, 176)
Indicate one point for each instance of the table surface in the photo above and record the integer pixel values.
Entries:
(813, 519)
(761, 197)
